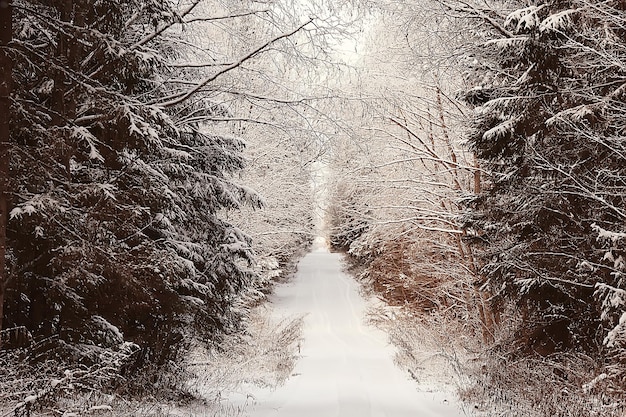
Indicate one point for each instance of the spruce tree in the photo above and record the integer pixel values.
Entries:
(116, 184)
(548, 127)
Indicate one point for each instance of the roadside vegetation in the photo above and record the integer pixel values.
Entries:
(262, 354)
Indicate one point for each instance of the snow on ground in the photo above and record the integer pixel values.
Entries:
(346, 367)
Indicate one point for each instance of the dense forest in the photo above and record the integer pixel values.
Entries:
(163, 163)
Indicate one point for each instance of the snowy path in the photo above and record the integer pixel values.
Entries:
(346, 369)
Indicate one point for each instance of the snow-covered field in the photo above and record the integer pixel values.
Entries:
(346, 368)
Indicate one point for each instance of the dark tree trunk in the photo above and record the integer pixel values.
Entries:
(6, 82)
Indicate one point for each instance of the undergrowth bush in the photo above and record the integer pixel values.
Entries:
(519, 374)
(561, 385)
(263, 353)
(430, 347)
(413, 269)
(33, 383)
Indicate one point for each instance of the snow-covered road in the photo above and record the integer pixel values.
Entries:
(347, 368)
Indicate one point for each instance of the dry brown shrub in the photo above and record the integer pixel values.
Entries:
(393, 276)
(417, 271)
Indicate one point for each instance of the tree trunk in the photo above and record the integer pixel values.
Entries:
(477, 183)
(6, 69)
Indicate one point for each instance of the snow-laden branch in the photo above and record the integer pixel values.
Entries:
(181, 97)
(415, 136)
(415, 221)
(578, 187)
(163, 28)
(224, 17)
(465, 7)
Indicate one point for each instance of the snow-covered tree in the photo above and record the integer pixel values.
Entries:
(119, 174)
(549, 126)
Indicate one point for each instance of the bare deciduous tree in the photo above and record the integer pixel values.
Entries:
(396, 200)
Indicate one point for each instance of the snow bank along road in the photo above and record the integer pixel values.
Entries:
(347, 368)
